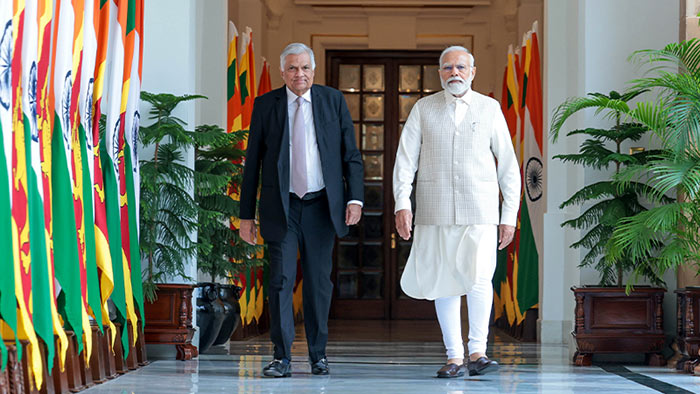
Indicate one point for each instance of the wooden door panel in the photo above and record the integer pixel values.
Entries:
(380, 88)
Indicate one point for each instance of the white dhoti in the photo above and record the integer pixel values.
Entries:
(447, 262)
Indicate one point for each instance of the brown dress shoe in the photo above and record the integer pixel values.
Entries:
(481, 366)
(451, 371)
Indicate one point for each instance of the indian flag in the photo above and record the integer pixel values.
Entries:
(110, 154)
(44, 115)
(8, 300)
(532, 207)
(102, 249)
(79, 172)
(131, 167)
(64, 224)
(21, 236)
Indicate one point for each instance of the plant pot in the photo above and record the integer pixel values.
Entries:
(610, 321)
(229, 296)
(210, 315)
(169, 319)
(688, 328)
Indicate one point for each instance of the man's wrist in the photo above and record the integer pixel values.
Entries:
(356, 202)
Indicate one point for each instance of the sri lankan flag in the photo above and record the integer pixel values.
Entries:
(502, 279)
(8, 300)
(110, 156)
(79, 172)
(86, 147)
(41, 297)
(233, 93)
(21, 237)
(102, 245)
(246, 79)
(44, 116)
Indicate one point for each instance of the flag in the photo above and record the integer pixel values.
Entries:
(45, 115)
(263, 87)
(21, 236)
(86, 147)
(110, 153)
(132, 178)
(129, 34)
(505, 295)
(8, 300)
(246, 79)
(102, 248)
(41, 298)
(233, 93)
(532, 206)
(78, 172)
(66, 257)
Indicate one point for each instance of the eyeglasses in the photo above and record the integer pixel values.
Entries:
(460, 68)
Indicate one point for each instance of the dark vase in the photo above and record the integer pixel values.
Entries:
(229, 296)
(210, 315)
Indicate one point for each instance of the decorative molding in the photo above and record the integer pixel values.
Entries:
(394, 3)
(275, 9)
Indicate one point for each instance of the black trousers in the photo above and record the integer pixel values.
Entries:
(311, 232)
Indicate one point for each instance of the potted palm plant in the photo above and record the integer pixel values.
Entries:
(221, 252)
(674, 119)
(168, 222)
(609, 317)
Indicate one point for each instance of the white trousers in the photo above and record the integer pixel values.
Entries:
(479, 303)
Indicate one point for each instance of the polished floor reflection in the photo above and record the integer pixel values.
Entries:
(395, 357)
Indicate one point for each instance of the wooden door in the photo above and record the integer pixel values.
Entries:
(380, 88)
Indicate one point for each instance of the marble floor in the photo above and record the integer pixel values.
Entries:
(395, 357)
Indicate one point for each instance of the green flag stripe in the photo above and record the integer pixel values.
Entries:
(136, 282)
(65, 234)
(94, 299)
(243, 85)
(8, 302)
(231, 80)
(115, 241)
(528, 263)
(41, 297)
(131, 17)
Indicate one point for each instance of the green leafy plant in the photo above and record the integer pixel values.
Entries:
(218, 170)
(610, 202)
(674, 118)
(168, 212)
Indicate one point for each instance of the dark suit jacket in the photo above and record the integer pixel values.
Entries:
(268, 149)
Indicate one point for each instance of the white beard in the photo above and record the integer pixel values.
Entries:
(459, 88)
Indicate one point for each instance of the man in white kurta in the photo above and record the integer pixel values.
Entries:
(458, 142)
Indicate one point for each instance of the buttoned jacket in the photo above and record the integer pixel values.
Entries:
(460, 167)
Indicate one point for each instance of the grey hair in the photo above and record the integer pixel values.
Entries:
(456, 48)
(297, 48)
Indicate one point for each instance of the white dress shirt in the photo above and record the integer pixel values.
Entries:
(314, 171)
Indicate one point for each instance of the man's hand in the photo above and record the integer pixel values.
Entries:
(353, 213)
(248, 232)
(505, 235)
(404, 220)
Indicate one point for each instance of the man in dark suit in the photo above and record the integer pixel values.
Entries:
(302, 138)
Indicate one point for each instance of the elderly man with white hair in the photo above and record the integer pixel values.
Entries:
(458, 142)
(302, 154)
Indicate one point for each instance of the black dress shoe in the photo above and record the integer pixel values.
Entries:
(320, 367)
(278, 369)
(481, 366)
(451, 371)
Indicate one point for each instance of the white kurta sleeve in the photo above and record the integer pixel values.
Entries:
(508, 169)
(407, 160)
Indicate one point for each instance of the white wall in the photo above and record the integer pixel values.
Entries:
(586, 46)
(185, 53)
